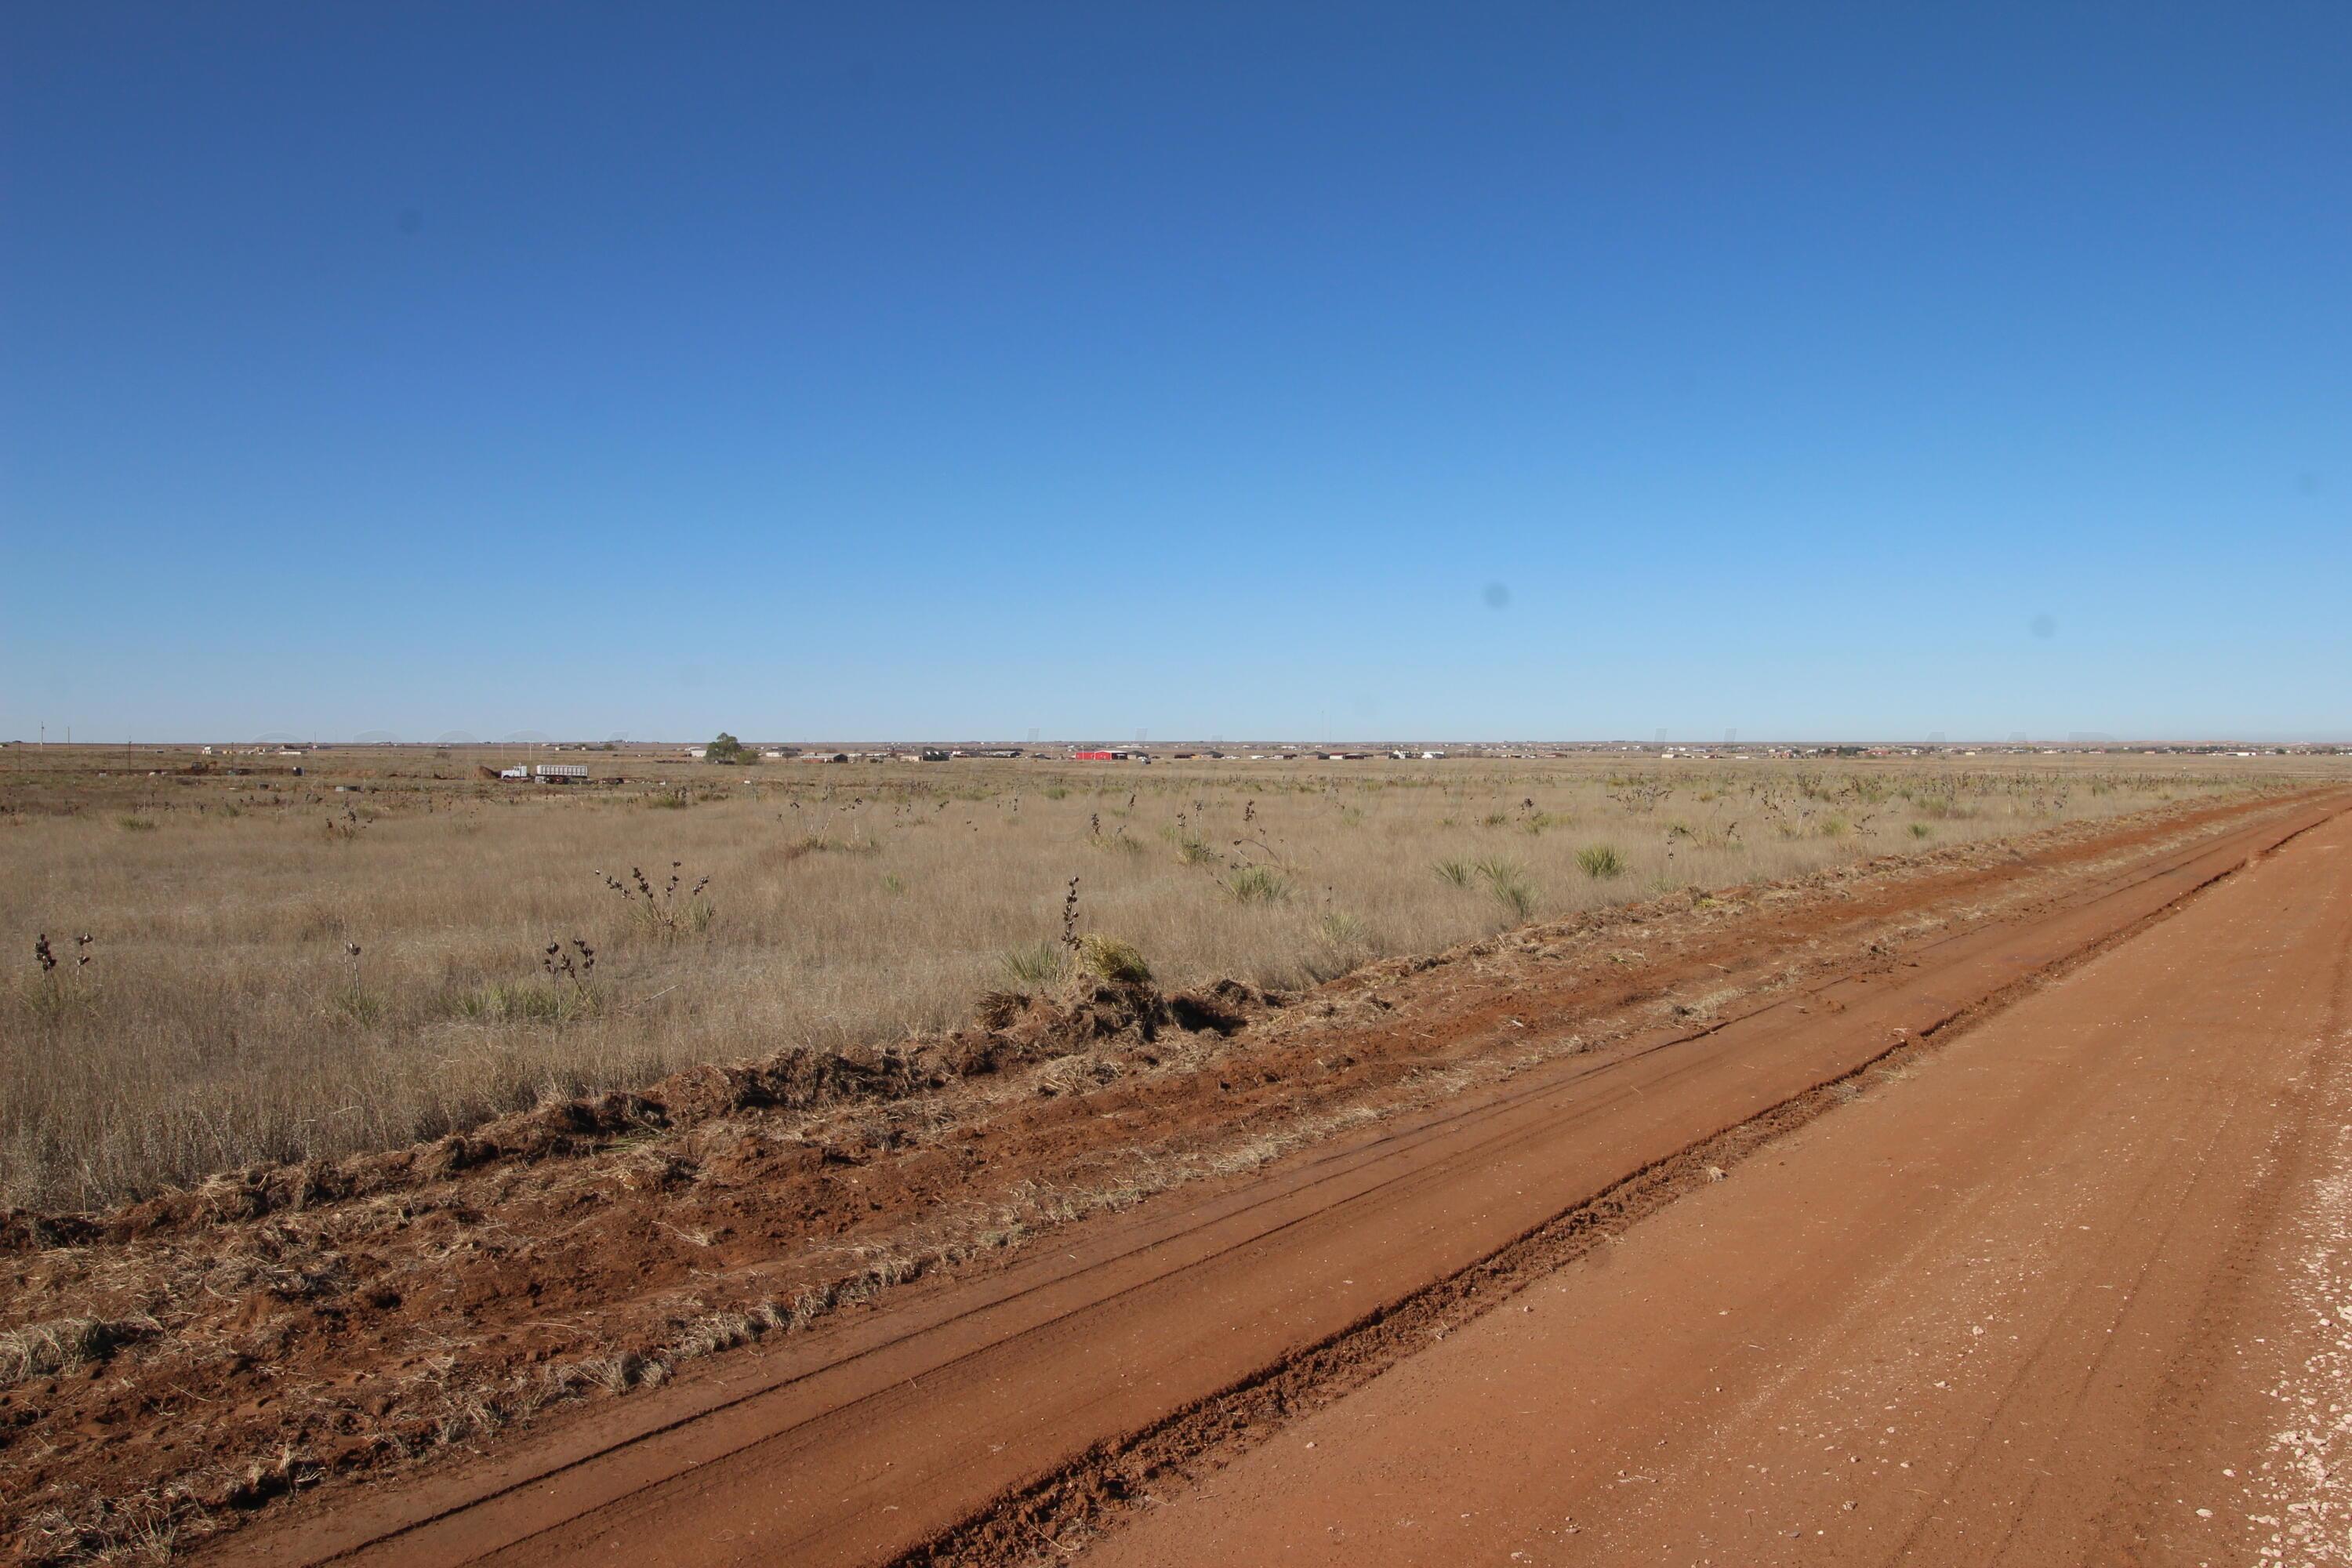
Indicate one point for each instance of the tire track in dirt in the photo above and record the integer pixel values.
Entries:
(1974, 1322)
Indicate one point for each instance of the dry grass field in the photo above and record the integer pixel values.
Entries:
(254, 968)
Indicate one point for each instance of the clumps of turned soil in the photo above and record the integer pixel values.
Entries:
(483, 1281)
(1107, 996)
(62, 1344)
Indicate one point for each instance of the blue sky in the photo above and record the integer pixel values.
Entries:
(1571, 371)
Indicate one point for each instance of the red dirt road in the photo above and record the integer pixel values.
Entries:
(2035, 1304)
(1997, 1305)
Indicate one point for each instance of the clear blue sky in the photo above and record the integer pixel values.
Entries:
(1566, 370)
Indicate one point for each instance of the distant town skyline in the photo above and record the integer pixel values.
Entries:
(1215, 745)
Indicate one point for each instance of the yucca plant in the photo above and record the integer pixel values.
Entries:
(1507, 885)
(1601, 862)
(1257, 885)
(1035, 963)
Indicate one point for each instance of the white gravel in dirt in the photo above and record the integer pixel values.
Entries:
(2298, 1494)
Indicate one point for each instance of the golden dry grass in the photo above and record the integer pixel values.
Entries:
(224, 1017)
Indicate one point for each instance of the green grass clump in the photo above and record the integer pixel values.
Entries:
(1108, 958)
(1601, 862)
(359, 1006)
(1258, 885)
(1340, 928)
(504, 1002)
(1192, 849)
(1507, 885)
(1034, 964)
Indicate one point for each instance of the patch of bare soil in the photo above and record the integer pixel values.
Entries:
(169, 1368)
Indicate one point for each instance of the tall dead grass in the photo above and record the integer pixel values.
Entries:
(260, 986)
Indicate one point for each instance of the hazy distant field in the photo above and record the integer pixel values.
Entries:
(222, 1017)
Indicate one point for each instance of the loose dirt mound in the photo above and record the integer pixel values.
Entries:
(1010, 1031)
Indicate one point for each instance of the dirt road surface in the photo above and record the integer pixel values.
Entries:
(2024, 1249)
(2052, 1299)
